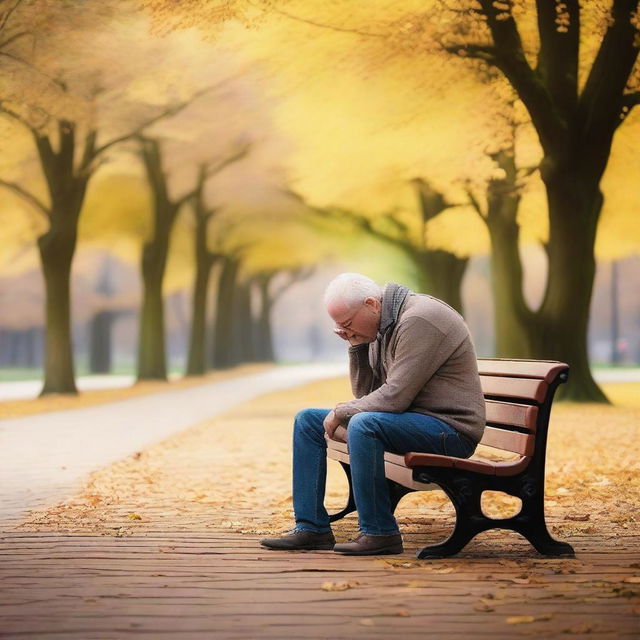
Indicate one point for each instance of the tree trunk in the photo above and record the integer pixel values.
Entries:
(263, 331)
(152, 361)
(100, 342)
(512, 316)
(196, 362)
(441, 274)
(67, 188)
(440, 271)
(56, 248)
(222, 348)
(243, 348)
(560, 329)
(205, 259)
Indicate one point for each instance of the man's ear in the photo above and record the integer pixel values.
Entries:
(373, 303)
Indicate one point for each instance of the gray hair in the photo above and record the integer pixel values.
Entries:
(351, 289)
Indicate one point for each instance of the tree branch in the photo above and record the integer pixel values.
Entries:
(169, 111)
(398, 224)
(152, 158)
(322, 25)
(511, 60)
(362, 221)
(48, 160)
(478, 51)
(295, 275)
(475, 203)
(14, 37)
(209, 170)
(88, 152)
(17, 117)
(67, 145)
(600, 102)
(6, 54)
(7, 14)
(432, 202)
(28, 196)
(559, 30)
(212, 170)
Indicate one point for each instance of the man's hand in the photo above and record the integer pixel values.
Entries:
(352, 338)
(331, 423)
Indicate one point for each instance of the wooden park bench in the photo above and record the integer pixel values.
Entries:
(518, 396)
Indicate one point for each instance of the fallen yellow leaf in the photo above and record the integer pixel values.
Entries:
(339, 586)
(416, 584)
(528, 619)
(520, 619)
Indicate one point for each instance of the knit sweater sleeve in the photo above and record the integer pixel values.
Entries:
(360, 370)
(420, 350)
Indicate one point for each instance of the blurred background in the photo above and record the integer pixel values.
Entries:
(180, 182)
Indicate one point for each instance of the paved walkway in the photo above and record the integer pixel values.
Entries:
(43, 458)
(224, 586)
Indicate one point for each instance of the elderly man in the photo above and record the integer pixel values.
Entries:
(415, 380)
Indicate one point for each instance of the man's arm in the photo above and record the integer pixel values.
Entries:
(360, 371)
(421, 349)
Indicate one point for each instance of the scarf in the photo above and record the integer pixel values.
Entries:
(393, 298)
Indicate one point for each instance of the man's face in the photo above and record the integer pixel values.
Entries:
(356, 324)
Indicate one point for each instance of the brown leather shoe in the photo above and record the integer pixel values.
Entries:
(368, 545)
(301, 541)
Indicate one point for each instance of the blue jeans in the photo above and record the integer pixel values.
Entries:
(369, 435)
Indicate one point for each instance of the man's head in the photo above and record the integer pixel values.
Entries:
(354, 302)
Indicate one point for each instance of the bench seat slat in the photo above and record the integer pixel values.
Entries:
(400, 468)
(546, 370)
(512, 414)
(521, 443)
(477, 465)
(525, 388)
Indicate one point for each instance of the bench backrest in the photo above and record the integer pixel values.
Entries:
(518, 396)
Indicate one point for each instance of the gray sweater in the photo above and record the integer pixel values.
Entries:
(423, 361)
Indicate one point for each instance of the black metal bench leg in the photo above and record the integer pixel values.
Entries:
(538, 535)
(351, 503)
(531, 524)
(396, 493)
(456, 542)
(470, 521)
